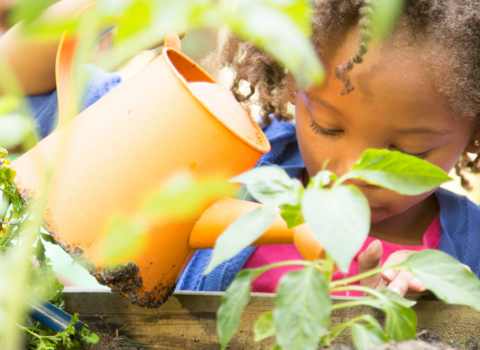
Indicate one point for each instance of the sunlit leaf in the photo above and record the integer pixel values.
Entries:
(241, 234)
(29, 10)
(337, 216)
(264, 327)
(236, 297)
(271, 185)
(184, 197)
(385, 16)
(302, 309)
(397, 171)
(124, 240)
(445, 277)
(322, 179)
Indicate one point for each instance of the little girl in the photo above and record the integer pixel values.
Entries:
(418, 93)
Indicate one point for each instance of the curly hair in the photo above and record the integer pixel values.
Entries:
(452, 26)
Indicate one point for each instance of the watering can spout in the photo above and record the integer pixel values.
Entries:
(216, 219)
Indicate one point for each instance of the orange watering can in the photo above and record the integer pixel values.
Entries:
(170, 116)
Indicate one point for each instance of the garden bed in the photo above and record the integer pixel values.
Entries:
(188, 320)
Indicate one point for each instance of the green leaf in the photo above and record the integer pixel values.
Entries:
(366, 337)
(29, 10)
(339, 219)
(283, 33)
(400, 321)
(89, 337)
(292, 214)
(445, 277)
(271, 185)
(48, 238)
(303, 308)
(398, 172)
(185, 197)
(264, 327)
(241, 234)
(384, 17)
(40, 252)
(236, 297)
(322, 179)
(123, 240)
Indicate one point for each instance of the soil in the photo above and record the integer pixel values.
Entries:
(406, 345)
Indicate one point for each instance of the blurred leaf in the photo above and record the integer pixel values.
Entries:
(292, 214)
(445, 277)
(264, 327)
(184, 197)
(385, 16)
(401, 321)
(339, 219)
(398, 172)
(302, 309)
(277, 31)
(236, 297)
(240, 234)
(29, 10)
(271, 185)
(8, 103)
(322, 179)
(366, 337)
(123, 240)
(15, 128)
(135, 18)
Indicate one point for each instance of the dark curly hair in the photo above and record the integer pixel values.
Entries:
(452, 26)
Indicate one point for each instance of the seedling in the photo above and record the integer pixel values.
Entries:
(339, 217)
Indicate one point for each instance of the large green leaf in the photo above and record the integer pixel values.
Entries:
(241, 234)
(369, 336)
(398, 172)
(340, 220)
(265, 326)
(271, 185)
(236, 297)
(400, 320)
(303, 307)
(445, 277)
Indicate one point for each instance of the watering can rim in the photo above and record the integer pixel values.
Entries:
(263, 146)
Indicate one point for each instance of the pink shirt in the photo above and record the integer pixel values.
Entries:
(265, 255)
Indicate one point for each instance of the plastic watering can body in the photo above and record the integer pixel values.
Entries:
(161, 120)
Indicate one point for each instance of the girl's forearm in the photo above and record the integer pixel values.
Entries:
(33, 61)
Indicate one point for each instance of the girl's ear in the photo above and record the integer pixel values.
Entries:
(473, 145)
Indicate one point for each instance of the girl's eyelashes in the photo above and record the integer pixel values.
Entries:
(422, 155)
(325, 132)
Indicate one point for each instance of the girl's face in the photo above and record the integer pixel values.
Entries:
(394, 105)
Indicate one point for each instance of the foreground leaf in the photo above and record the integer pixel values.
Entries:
(400, 320)
(338, 216)
(303, 308)
(398, 172)
(292, 214)
(271, 185)
(369, 336)
(445, 277)
(236, 297)
(242, 233)
(264, 327)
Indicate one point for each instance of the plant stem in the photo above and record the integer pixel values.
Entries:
(363, 275)
(360, 289)
(348, 304)
(281, 264)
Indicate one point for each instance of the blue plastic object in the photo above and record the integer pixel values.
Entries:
(51, 316)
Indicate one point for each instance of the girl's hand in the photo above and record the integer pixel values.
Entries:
(397, 281)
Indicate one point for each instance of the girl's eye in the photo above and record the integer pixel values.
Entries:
(325, 132)
(422, 155)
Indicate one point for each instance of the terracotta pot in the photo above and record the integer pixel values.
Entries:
(162, 120)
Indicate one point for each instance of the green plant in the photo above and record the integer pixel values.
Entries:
(339, 217)
(42, 281)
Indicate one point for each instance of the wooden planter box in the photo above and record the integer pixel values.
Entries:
(188, 319)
